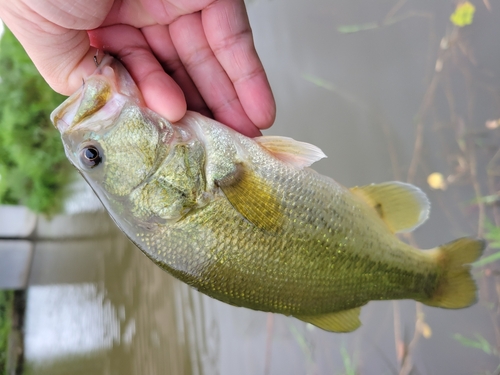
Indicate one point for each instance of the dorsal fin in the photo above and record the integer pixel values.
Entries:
(253, 198)
(402, 206)
(298, 154)
(339, 321)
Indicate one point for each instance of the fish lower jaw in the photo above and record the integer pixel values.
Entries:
(61, 125)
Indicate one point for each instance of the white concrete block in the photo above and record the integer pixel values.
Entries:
(16, 221)
(15, 263)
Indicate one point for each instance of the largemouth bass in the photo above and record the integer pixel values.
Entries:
(246, 221)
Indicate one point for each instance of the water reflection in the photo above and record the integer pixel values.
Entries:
(116, 312)
(86, 324)
(364, 99)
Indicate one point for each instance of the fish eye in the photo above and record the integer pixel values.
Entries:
(90, 156)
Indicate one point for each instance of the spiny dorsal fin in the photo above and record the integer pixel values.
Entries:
(253, 198)
(298, 154)
(403, 207)
(339, 321)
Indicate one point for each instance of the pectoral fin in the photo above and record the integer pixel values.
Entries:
(403, 207)
(253, 198)
(298, 154)
(340, 321)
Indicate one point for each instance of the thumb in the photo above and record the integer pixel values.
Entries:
(62, 55)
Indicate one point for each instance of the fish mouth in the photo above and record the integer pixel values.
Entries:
(62, 116)
(100, 98)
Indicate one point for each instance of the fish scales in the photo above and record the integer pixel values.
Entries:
(331, 267)
(245, 220)
(220, 255)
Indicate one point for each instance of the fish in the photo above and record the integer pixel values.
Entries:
(246, 220)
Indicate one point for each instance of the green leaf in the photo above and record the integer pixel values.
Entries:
(349, 365)
(480, 343)
(320, 82)
(492, 234)
(347, 29)
(487, 260)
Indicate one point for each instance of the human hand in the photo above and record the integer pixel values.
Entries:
(195, 54)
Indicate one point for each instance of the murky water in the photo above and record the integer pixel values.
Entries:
(408, 97)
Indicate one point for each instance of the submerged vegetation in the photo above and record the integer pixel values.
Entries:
(458, 113)
(493, 236)
(33, 167)
(478, 343)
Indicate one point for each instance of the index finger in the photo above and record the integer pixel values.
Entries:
(161, 93)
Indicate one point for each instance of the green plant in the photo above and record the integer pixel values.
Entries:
(349, 363)
(6, 300)
(493, 236)
(33, 167)
(479, 343)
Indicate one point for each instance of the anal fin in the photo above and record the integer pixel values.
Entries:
(339, 321)
(403, 207)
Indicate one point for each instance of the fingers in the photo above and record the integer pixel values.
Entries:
(160, 42)
(62, 56)
(209, 54)
(208, 75)
(160, 91)
(150, 12)
(229, 35)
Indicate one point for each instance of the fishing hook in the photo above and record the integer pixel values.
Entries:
(95, 59)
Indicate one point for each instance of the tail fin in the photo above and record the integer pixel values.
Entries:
(457, 289)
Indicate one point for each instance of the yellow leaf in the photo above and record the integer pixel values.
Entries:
(463, 14)
(426, 330)
(436, 181)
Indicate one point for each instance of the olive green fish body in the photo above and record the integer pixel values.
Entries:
(323, 258)
(245, 220)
